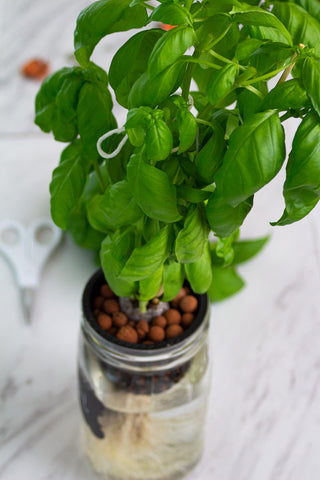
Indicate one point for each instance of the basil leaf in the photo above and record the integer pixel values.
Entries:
(173, 278)
(152, 190)
(302, 186)
(56, 103)
(199, 273)
(262, 18)
(193, 237)
(225, 283)
(102, 18)
(210, 7)
(152, 91)
(255, 155)
(303, 27)
(149, 287)
(114, 209)
(311, 80)
(114, 254)
(247, 48)
(82, 232)
(312, 6)
(211, 29)
(221, 82)
(158, 140)
(209, 159)
(285, 96)
(67, 184)
(94, 117)
(172, 14)
(168, 49)
(223, 218)
(192, 195)
(123, 74)
(244, 250)
(147, 259)
(187, 127)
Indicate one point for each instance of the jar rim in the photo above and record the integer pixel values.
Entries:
(140, 353)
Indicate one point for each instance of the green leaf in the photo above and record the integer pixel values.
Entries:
(285, 96)
(210, 30)
(311, 6)
(113, 254)
(95, 117)
(158, 140)
(225, 283)
(199, 273)
(244, 250)
(302, 186)
(152, 91)
(311, 81)
(82, 232)
(192, 195)
(173, 278)
(114, 209)
(168, 49)
(303, 27)
(221, 82)
(172, 14)
(56, 103)
(209, 159)
(224, 248)
(193, 237)
(255, 155)
(123, 74)
(102, 18)
(187, 127)
(255, 16)
(149, 287)
(223, 218)
(147, 259)
(247, 48)
(153, 192)
(67, 184)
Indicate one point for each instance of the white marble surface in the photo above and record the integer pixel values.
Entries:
(264, 410)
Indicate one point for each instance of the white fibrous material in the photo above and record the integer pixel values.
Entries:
(134, 313)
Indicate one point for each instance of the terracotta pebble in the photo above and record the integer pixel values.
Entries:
(188, 304)
(187, 319)
(104, 321)
(98, 302)
(160, 321)
(128, 334)
(173, 316)
(183, 292)
(111, 306)
(173, 331)
(143, 325)
(119, 319)
(106, 291)
(156, 334)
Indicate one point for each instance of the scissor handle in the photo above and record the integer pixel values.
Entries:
(27, 249)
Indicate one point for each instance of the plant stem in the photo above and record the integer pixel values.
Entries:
(288, 70)
(189, 59)
(266, 76)
(255, 91)
(224, 59)
(143, 306)
(100, 178)
(188, 76)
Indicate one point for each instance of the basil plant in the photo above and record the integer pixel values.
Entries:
(189, 161)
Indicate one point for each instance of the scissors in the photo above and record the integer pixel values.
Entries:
(27, 250)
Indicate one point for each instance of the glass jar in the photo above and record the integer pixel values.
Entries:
(143, 407)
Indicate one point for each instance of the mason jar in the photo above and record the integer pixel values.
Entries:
(143, 406)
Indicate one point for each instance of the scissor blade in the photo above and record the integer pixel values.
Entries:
(27, 301)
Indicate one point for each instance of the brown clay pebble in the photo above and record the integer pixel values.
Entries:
(188, 304)
(119, 319)
(187, 319)
(104, 321)
(113, 331)
(173, 316)
(156, 334)
(148, 342)
(183, 292)
(132, 323)
(141, 333)
(143, 325)
(128, 334)
(106, 291)
(111, 306)
(96, 312)
(173, 331)
(98, 302)
(160, 321)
